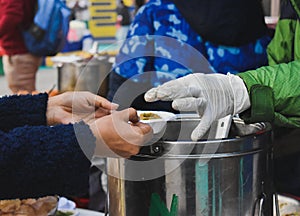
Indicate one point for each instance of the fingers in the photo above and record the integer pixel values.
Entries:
(167, 92)
(150, 96)
(138, 134)
(116, 135)
(144, 128)
(188, 86)
(190, 104)
(104, 103)
(144, 133)
(129, 114)
(87, 102)
(133, 135)
(205, 123)
(91, 100)
(201, 128)
(163, 93)
(100, 112)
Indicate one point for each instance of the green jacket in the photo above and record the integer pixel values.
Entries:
(275, 90)
(274, 94)
(285, 45)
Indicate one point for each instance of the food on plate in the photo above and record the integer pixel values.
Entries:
(61, 213)
(288, 206)
(44, 206)
(292, 214)
(149, 116)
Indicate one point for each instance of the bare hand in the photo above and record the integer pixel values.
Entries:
(120, 134)
(71, 107)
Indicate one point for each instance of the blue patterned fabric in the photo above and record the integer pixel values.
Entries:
(161, 41)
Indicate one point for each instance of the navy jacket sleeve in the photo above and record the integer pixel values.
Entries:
(22, 110)
(42, 160)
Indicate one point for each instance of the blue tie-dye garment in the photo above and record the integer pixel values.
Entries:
(160, 41)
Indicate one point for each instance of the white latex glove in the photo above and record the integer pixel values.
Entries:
(212, 96)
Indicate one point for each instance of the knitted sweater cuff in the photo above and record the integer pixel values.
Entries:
(23, 110)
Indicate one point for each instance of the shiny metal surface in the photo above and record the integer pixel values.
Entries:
(86, 75)
(226, 177)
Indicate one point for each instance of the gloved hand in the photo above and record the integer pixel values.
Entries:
(213, 96)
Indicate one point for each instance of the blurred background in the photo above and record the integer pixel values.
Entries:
(95, 29)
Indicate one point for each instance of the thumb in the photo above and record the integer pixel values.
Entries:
(129, 114)
(144, 128)
(203, 126)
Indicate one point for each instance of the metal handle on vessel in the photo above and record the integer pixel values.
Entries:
(275, 198)
(260, 203)
(150, 152)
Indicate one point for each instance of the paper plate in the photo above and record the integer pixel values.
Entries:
(288, 206)
(158, 125)
(68, 212)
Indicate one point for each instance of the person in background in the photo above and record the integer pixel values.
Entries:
(138, 4)
(124, 18)
(169, 39)
(46, 143)
(269, 93)
(19, 65)
(284, 46)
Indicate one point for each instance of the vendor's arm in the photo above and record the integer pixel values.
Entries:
(274, 94)
(41, 160)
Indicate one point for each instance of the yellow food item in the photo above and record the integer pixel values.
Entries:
(29, 207)
(149, 116)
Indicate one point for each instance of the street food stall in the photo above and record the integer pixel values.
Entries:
(85, 71)
(83, 74)
(173, 175)
(228, 172)
(230, 176)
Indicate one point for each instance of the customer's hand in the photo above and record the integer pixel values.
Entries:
(70, 107)
(213, 96)
(120, 134)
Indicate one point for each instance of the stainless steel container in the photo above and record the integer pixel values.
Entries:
(227, 177)
(85, 75)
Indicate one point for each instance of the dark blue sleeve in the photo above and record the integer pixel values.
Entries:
(19, 110)
(39, 160)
